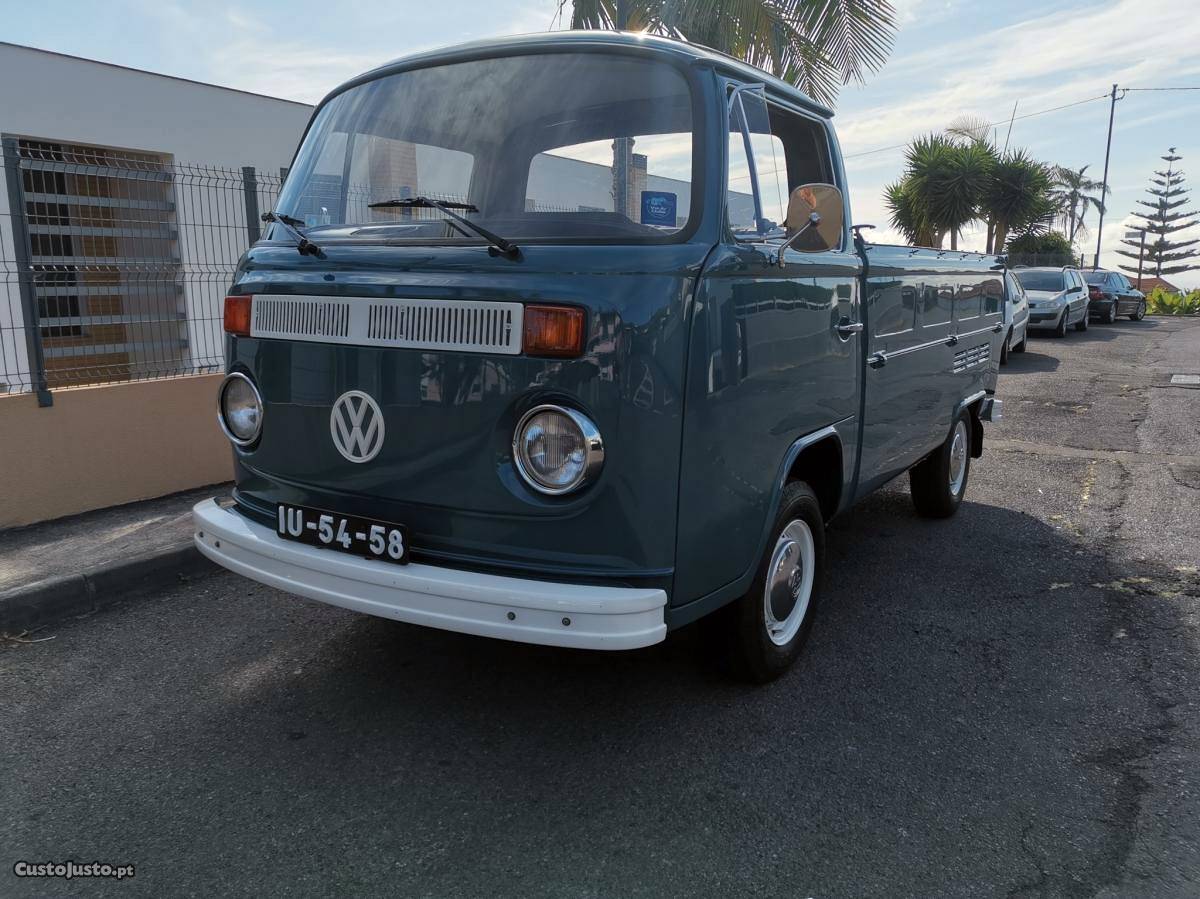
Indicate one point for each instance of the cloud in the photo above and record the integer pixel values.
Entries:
(1033, 60)
(237, 47)
(1030, 60)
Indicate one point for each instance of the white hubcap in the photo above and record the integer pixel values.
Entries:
(958, 458)
(789, 582)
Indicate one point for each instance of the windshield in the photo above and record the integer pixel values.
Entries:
(564, 145)
(1052, 281)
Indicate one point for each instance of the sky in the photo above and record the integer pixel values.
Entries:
(951, 58)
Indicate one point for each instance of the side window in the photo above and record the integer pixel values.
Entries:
(895, 307)
(786, 150)
(969, 301)
(939, 305)
(993, 295)
(754, 153)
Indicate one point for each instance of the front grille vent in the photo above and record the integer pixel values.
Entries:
(303, 318)
(976, 355)
(465, 326)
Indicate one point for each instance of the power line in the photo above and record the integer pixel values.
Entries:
(1162, 88)
(1028, 115)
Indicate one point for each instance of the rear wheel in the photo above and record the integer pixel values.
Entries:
(1110, 313)
(1061, 330)
(1139, 313)
(938, 483)
(1082, 324)
(766, 629)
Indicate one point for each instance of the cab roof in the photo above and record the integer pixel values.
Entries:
(649, 44)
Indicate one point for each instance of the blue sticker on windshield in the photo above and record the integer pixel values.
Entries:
(658, 207)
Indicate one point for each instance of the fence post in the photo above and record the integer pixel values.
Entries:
(250, 188)
(22, 253)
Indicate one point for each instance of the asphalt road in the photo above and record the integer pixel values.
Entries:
(1002, 704)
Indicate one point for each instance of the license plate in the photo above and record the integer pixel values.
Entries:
(345, 533)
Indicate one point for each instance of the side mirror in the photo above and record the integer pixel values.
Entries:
(815, 219)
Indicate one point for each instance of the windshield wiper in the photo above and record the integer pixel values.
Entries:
(292, 227)
(498, 246)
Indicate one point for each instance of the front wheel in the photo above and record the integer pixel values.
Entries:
(1082, 324)
(1006, 348)
(1139, 313)
(1024, 344)
(938, 482)
(767, 628)
(1061, 330)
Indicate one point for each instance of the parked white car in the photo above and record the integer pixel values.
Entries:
(1016, 316)
(1058, 298)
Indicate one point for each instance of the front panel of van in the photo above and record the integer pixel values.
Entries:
(538, 169)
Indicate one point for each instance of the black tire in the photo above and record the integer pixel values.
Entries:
(1110, 313)
(1006, 348)
(1061, 330)
(1024, 344)
(934, 492)
(1082, 324)
(1138, 314)
(752, 653)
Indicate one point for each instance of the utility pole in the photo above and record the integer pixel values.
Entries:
(1141, 256)
(1112, 108)
(622, 146)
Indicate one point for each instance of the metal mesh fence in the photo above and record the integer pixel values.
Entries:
(114, 264)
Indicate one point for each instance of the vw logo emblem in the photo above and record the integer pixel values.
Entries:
(356, 424)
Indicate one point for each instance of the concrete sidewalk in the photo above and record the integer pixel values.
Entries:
(71, 566)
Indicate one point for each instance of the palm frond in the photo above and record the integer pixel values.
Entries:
(818, 45)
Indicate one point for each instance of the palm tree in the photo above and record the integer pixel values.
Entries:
(908, 215)
(1072, 193)
(817, 45)
(941, 190)
(1017, 199)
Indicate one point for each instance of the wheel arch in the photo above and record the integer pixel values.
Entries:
(973, 406)
(818, 461)
(810, 458)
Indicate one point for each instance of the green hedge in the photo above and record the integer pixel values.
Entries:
(1162, 302)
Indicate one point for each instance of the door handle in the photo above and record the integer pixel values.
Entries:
(847, 328)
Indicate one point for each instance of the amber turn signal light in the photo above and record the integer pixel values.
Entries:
(237, 315)
(553, 331)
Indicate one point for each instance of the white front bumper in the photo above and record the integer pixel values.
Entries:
(510, 608)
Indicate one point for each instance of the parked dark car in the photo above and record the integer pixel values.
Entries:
(1110, 294)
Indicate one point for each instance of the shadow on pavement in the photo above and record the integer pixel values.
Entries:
(1036, 358)
(964, 715)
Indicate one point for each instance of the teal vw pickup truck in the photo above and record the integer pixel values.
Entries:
(567, 339)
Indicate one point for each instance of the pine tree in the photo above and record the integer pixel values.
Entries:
(1163, 256)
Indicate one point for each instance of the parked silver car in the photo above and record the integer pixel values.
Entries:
(1016, 316)
(1058, 298)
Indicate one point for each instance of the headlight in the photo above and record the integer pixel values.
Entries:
(239, 409)
(557, 449)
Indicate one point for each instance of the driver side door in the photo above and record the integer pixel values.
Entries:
(774, 353)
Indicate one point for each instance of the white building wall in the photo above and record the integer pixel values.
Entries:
(63, 98)
(49, 95)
